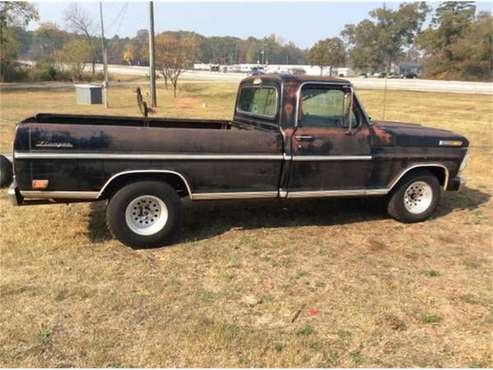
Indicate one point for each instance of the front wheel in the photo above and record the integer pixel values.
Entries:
(145, 214)
(415, 198)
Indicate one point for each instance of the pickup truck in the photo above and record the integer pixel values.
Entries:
(291, 136)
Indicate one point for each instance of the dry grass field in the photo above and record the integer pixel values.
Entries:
(316, 283)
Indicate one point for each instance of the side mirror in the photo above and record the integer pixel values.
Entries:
(348, 110)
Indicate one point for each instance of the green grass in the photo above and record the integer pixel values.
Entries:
(305, 331)
(431, 273)
(357, 358)
(432, 319)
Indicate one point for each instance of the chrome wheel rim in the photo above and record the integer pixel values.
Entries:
(418, 197)
(146, 215)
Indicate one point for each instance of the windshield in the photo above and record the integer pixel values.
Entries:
(258, 101)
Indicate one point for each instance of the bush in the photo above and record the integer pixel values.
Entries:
(14, 72)
(87, 76)
(46, 71)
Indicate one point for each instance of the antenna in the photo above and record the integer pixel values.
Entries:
(384, 98)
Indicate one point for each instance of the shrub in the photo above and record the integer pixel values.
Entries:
(13, 72)
(47, 71)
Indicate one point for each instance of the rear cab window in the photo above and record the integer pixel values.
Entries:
(261, 101)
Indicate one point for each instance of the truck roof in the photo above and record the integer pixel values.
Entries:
(285, 77)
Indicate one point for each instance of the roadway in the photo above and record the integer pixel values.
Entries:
(464, 87)
(461, 87)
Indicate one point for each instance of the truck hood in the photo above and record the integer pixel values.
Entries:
(413, 134)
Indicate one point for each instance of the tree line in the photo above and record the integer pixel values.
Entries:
(456, 44)
(453, 41)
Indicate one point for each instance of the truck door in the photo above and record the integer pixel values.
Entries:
(327, 159)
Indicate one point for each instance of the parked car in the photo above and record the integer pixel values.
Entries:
(395, 75)
(291, 136)
(379, 74)
(411, 75)
(297, 71)
(256, 71)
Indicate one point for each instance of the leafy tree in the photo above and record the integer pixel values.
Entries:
(362, 40)
(329, 52)
(220, 50)
(116, 47)
(173, 55)
(252, 49)
(12, 15)
(129, 53)
(458, 44)
(474, 52)
(380, 41)
(24, 41)
(48, 38)
(136, 50)
(76, 53)
(293, 54)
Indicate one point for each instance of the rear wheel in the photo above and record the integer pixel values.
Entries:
(415, 198)
(145, 214)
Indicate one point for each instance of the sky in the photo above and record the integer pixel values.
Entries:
(303, 23)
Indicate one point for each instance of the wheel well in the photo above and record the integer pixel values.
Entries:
(440, 172)
(173, 179)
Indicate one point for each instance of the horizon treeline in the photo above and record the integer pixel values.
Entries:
(452, 41)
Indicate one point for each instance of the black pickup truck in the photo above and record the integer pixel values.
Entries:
(290, 137)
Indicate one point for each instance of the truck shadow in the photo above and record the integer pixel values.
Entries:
(204, 220)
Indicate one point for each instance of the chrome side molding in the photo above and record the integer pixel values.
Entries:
(145, 156)
(418, 165)
(235, 195)
(189, 189)
(332, 158)
(336, 193)
(280, 193)
(42, 194)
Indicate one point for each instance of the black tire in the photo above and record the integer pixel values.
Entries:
(396, 206)
(6, 174)
(121, 228)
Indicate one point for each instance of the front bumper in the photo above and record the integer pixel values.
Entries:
(456, 184)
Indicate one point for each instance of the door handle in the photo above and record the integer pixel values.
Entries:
(304, 138)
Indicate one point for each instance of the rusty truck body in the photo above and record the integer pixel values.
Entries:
(290, 137)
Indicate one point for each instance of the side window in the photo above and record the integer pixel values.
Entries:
(323, 107)
(260, 101)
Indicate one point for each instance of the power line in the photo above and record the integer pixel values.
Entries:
(119, 17)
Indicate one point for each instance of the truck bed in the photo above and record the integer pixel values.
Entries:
(82, 152)
(128, 121)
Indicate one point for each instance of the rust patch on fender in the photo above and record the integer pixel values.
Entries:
(381, 136)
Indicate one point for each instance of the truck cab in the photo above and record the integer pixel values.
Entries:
(331, 145)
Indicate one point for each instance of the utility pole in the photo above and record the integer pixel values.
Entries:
(105, 58)
(152, 69)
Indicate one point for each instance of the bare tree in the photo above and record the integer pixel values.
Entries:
(174, 55)
(81, 23)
